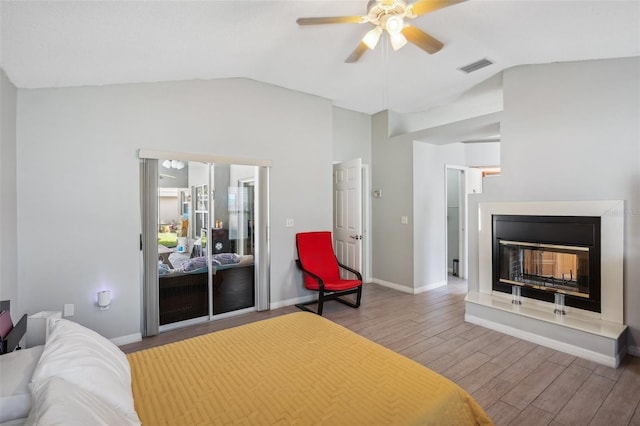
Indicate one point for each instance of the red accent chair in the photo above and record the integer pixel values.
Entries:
(321, 273)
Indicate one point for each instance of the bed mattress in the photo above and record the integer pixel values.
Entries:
(294, 369)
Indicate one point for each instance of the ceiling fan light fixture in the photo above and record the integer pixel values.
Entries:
(166, 164)
(394, 24)
(372, 37)
(397, 40)
(390, 16)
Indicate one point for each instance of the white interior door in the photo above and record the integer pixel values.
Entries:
(347, 213)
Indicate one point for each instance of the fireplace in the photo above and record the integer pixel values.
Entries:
(545, 255)
(568, 227)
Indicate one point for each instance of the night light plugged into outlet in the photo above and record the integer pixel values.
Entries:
(104, 299)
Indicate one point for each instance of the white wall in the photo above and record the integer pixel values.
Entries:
(87, 238)
(351, 135)
(482, 154)
(412, 179)
(571, 131)
(392, 172)
(411, 175)
(198, 174)
(168, 206)
(483, 98)
(240, 172)
(430, 239)
(8, 197)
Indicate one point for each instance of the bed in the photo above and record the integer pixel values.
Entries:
(298, 368)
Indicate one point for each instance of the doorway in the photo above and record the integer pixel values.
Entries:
(455, 214)
(460, 181)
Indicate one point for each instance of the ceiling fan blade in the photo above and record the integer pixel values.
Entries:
(357, 53)
(425, 6)
(421, 39)
(332, 20)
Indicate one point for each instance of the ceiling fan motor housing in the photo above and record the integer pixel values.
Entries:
(378, 11)
(389, 16)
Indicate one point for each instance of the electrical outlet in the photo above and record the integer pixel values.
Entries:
(69, 309)
(289, 223)
(404, 220)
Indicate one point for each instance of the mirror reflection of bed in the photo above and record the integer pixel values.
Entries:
(183, 278)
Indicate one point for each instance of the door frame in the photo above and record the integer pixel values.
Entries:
(366, 223)
(245, 183)
(263, 238)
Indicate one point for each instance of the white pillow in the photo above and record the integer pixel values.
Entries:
(85, 358)
(14, 407)
(58, 402)
(16, 369)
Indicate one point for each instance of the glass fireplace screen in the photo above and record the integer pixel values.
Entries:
(545, 266)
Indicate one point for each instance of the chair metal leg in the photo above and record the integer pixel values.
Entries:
(303, 306)
(320, 302)
(322, 297)
(349, 303)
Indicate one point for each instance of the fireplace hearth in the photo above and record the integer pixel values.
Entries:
(548, 255)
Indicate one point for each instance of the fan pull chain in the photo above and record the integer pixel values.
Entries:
(385, 74)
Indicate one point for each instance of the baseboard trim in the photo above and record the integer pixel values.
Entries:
(406, 289)
(388, 284)
(295, 301)
(430, 287)
(125, 340)
(634, 350)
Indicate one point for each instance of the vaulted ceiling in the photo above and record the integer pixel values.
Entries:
(74, 43)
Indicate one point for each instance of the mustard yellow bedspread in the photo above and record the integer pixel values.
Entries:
(295, 369)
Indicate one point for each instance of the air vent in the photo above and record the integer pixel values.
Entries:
(475, 66)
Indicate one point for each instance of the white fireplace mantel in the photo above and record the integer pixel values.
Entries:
(599, 337)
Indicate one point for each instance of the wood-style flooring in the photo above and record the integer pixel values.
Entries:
(517, 382)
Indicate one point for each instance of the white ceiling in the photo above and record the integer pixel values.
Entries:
(74, 43)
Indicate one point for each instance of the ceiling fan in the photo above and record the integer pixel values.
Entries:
(390, 16)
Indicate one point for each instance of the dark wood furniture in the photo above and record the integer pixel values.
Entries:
(183, 296)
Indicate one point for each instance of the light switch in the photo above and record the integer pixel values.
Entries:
(404, 220)
(289, 223)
